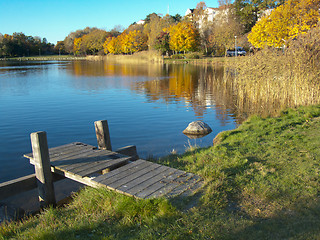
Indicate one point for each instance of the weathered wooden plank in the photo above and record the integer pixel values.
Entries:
(135, 190)
(160, 186)
(103, 135)
(167, 188)
(134, 175)
(129, 151)
(142, 178)
(99, 166)
(197, 185)
(13, 187)
(188, 180)
(30, 155)
(64, 149)
(84, 158)
(42, 169)
(123, 174)
(118, 170)
(71, 152)
(22, 184)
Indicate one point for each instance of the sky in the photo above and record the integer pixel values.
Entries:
(55, 19)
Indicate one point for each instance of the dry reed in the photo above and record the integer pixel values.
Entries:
(273, 79)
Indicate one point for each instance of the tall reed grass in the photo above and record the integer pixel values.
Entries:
(273, 79)
(139, 57)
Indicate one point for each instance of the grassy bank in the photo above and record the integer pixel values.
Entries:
(262, 182)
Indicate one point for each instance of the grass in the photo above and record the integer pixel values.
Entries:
(262, 182)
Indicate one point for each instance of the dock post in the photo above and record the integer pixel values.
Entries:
(103, 135)
(43, 169)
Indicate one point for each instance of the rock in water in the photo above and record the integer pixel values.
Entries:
(198, 128)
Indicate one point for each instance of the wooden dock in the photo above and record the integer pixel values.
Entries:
(121, 170)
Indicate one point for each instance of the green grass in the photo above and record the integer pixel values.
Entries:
(262, 182)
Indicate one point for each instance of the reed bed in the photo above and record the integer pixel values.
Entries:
(273, 79)
(139, 57)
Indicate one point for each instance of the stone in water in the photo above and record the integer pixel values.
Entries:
(198, 128)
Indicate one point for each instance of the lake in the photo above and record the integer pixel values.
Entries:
(147, 105)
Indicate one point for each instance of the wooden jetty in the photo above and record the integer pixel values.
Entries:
(119, 170)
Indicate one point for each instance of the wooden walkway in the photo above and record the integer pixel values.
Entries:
(104, 168)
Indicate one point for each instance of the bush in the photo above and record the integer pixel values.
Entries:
(194, 55)
(178, 56)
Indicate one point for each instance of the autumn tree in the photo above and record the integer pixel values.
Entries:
(248, 11)
(285, 22)
(112, 45)
(77, 46)
(93, 42)
(184, 37)
(154, 28)
(69, 40)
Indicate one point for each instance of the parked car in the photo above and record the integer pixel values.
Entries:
(240, 52)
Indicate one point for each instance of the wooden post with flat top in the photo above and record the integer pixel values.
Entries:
(103, 135)
(43, 169)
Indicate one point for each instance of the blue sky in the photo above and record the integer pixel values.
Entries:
(55, 19)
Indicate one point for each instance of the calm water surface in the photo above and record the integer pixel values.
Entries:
(145, 105)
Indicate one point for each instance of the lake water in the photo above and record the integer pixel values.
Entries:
(147, 105)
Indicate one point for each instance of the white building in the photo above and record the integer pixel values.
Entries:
(209, 15)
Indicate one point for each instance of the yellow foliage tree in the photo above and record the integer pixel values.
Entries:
(183, 37)
(112, 45)
(284, 23)
(77, 46)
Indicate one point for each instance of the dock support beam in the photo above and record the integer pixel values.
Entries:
(103, 135)
(43, 169)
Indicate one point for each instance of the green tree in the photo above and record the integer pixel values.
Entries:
(248, 11)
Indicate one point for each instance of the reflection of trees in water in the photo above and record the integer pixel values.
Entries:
(102, 68)
(200, 87)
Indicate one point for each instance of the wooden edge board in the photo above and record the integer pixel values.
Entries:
(118, 170)
(135, 190)
(131, 177)
(159, 186)
(124, 174)
(143, 178)
(86, 180)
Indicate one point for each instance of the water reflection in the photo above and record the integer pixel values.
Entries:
(199, 87)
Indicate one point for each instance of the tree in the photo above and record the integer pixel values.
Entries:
(162, 42)
(93, 41)
(112, 45)
(77, 46)
(285, 22)
(184, 37)
(248, 11)
(59, 48)
(69, 40)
